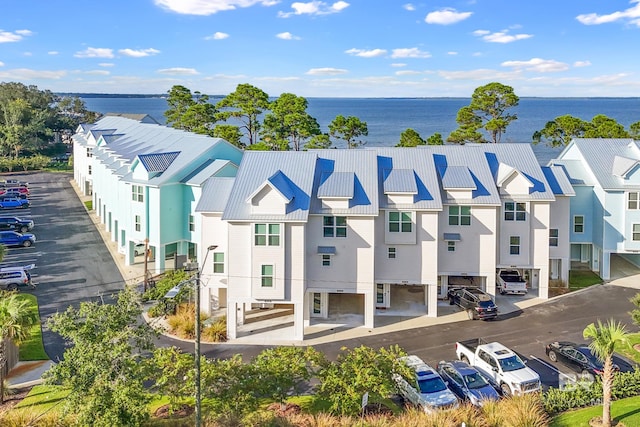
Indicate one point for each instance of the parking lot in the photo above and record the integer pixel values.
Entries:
(72, 262)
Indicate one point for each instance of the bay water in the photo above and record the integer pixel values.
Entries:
(387, 118)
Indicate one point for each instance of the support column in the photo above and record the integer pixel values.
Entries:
(431, 297)
(298, 321)
(306, 308)
(369, 310)
(232, 322)
(160, 261)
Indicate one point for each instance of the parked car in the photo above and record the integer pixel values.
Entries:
(13, 194)
(13, 238)
(426, 390)
(511, 282)
(467, 382)
(500, 364)
(15, 223)
(23, 190)
(13, 203)
(13, 278)
(576, 356)
(478, 304)
(13, 183)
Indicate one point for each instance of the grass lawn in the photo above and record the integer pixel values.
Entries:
(43, 398)
(89, 204)
(628, 350)
(33, 349)
(579, 279)
(626, 411)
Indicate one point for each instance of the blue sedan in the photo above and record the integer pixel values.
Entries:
(13, 203)
(467, 382)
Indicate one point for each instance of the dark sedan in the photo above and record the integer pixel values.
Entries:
(467, 382)
(575, 356)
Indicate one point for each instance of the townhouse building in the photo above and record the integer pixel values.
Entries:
(335, 233)
(605, 212)
(146, 179)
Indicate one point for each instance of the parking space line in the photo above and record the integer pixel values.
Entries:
(553, 368)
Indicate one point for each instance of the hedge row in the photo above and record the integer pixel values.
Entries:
(36, 162)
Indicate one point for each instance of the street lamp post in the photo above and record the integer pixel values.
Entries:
(194, 266)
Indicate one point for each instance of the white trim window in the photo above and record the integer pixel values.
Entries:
(578, 224)
(89, 170)
(266, 275)
(138, 223)
(137, 193)
(400, 222)
(391, 253)
(553, 237)
(515, 211)
(326, 260)
(192, 223)
(633, 200)
(459, 215)
(334, 226)
(635, 232)
(267, 234)
(451, 246)
(514, 245)
(218, 262)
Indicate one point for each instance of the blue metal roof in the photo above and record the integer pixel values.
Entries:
(336, 185)
(400, 181)
(158, 162)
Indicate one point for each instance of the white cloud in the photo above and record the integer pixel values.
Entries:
(139, 53)
(537, 64)
(582, 63)
(398, 64)
(411, 52)
(631, 14)
(28, 74)
(326, 71)
(95, 52)
(27, 54)
(1, 64)
(287, 36)
(16, 36)
(446, 16)
(409, 7)
(208, 7)
(407, 73)
(53, 52)
(451, 52)
(178, 71)
(314, 8)
(97, 72)
(106, 64)
(366, 53)
(500, 36)
(217, 36)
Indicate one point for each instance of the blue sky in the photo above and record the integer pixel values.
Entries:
(346, 48)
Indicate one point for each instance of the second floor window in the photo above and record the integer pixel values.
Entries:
(192, 223)
(459, 215)
(89, 170)
(137, 194)
(267, 234)
(514, 211)
(633, 200)
(218, 262)
(138, 224)
(514, 245)
(553, 237)
(326, 260)
(334, 226)
(635, 231)
(451, 246)
(392, 253)
(89, 152)
(578, 224)
(400, 222)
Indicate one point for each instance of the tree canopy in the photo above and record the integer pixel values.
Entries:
(288, 124)
(410, 138)
(561, 130)
(487, 110)
(194, 115)
(245, 105)
(348, 129)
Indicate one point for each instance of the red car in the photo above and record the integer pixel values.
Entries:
(21, 190)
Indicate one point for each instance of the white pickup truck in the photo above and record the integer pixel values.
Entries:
(426, 390)
(500, 364)
(511, 282)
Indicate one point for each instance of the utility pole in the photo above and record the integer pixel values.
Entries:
(146, 270)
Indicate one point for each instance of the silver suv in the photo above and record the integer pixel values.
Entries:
(12, 278)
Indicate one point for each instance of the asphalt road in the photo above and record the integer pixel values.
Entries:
(73, 265)
(72, 262)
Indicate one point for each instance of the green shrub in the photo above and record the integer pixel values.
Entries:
(169, 280)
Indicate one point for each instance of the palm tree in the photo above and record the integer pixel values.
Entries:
(15, 323)
(604, 338)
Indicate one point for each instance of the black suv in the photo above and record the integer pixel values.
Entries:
(478, 304)
(13, 223)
